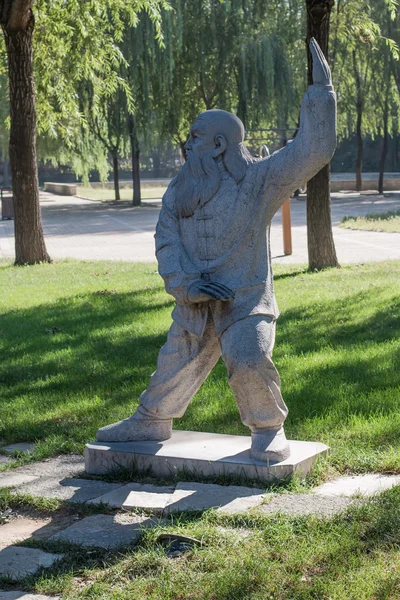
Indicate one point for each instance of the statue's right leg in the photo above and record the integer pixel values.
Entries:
(183, 364)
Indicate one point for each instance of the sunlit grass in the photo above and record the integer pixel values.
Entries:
(387, 221)
(79, 341)
(354, 555)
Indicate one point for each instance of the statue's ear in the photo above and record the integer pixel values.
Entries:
(220, 145)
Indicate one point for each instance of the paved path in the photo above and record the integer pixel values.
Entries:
(58, 478)
(90, 230)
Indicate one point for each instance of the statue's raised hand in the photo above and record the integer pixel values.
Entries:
(321, 72)
(203, 291)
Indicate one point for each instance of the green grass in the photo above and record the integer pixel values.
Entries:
(353, 556)
(79, 340)
(107, 195)
(387, 221)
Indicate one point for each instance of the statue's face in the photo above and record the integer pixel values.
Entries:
(201, 140)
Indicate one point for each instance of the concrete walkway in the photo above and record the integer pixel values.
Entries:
(91, 230)
(127, 509)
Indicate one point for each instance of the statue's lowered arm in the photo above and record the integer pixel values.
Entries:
(291, 167)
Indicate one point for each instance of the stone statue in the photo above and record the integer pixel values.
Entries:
(212, 246)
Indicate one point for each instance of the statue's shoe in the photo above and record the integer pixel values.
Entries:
(269, 445)
(135, 430)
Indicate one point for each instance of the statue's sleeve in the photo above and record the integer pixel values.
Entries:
(169, 251)
(291, 167)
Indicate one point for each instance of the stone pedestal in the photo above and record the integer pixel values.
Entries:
(202, 455)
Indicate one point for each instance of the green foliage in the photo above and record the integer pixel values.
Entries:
(76, 46)
(361, 30)
(98, 62)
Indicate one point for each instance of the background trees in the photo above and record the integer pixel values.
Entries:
(77, 42)
(108, 83)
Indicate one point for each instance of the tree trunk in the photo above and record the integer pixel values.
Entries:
(321, 247)
(385, 134)
(135, 151)
(6, 172)
(30, 247)
(360, 147)
(116, 176)
(156, 163)
(183, 150)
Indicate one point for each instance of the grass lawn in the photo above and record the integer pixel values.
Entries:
(79, 341)
(387, 221)
(354, 556)
(107, 195)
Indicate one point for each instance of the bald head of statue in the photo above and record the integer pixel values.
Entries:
(215, 144)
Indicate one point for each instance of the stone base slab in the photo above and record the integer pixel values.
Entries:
(201, 454)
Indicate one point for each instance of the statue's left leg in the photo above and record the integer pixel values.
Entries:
(247, 351)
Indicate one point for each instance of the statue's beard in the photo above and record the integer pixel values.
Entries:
(197, 182)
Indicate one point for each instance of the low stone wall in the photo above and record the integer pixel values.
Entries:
(63, 189)
(389, 184)
(124, 183)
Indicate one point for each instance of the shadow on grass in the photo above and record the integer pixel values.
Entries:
(71, 366)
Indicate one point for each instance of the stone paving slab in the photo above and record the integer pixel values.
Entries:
(136, 495)
(13, 478)
(65, 465)
(16, 595)
(201, 496)
(305, 504)
(73, 490)
(20, 447)
(19, 530)
(105, 531)
(365, 485)
(17, 562)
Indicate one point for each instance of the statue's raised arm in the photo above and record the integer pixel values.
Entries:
(321, 72)
(292, 166)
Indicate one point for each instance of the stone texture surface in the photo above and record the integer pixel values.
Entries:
(15, 478)
(367, 485)
(4, 459)
(19, 530)
(16, 595)
(65, 465)
(202, 454)
(17, 562)
(19, 447)
(105, 531)
(136, 495)
(73, 490)
(214, 255)
(201, 496)
(305, 504)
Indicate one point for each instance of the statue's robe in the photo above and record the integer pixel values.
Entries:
(227, 239)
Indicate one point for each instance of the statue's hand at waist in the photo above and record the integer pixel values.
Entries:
(203, 291)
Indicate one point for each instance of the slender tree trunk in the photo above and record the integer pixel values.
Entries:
(385, 134)
(156, 163)
(135, 151)
(30, 246)
(183, 150)
(116, 176)
(360, 147)
(6, 172)
(321, 247)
